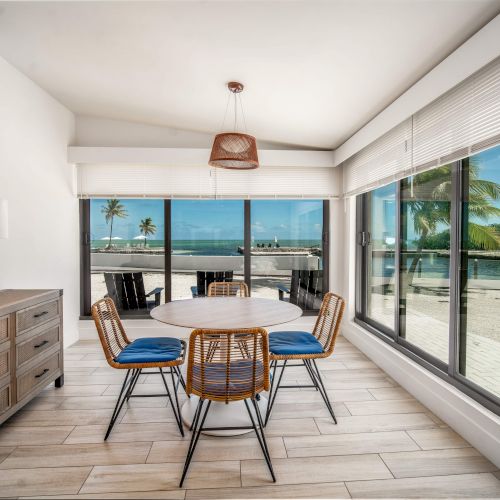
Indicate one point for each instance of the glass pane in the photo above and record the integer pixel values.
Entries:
(287, 260)
(207, 237)
(128, 253)
(425, 260)
(381, 226)
(480, 262)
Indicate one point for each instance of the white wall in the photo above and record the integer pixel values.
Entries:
(42, 250)
(476, 52)
(104, 132)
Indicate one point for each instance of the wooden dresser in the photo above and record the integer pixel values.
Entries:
(31, 346)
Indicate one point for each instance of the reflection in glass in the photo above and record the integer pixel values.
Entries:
(128, 253)
(286, 252)
(480, 271)
(425, 260)
(207, 237)
(381, 240)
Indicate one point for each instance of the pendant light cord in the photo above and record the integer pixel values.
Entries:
(221, 128)
(235, 113)
(243, 113)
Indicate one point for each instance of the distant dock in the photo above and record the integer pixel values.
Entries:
(281, 251)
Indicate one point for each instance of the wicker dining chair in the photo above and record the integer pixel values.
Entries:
(228, 289)
(136, 355)
(307, 347)
(230, 374)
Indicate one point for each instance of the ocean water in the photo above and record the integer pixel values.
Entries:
(438, 266)
(204, 247)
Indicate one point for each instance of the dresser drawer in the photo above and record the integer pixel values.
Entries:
(36, 315)
(37, 375)
(27, 350)
(5, 398)
(4, 329)
(4, 363)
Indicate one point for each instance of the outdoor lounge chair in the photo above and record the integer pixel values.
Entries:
(306, 289)
(128, 293)
(204, 278)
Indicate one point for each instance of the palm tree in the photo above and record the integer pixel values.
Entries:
(147, 227)
(428, 206)
(112, 209)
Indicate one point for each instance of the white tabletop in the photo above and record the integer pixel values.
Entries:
(226, 312)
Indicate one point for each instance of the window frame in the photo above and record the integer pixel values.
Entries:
(447, 371)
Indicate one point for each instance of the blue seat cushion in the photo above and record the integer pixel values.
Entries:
(151, 350)
(293, 343)
(236, 380)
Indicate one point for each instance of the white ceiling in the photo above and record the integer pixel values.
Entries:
(314, 71)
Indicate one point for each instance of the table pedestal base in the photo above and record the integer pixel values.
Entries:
(233, 414)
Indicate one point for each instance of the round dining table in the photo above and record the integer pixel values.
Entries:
(225, 313)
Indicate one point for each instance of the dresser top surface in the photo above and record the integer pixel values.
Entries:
(13, 297)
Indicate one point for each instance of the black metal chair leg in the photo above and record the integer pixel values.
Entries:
(180, 377)
(176, 398)
(135, 378)
(273, 367)
(262, 440)
(261, 425)
(323, 392)
(177, 417)
(194, 440)
(309, 370)
(272, 397)
(119, 403)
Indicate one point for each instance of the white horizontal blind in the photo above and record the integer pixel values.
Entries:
(463, 121)
(160, 181)
(452, 126)
(383, 159)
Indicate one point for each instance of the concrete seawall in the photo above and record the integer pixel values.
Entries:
(278, 265)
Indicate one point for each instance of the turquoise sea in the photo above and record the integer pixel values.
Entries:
(204, 247)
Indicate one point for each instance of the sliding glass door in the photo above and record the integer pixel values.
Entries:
(429, 246)
(127, 253)
(425, 261)
(287, 251)
(379, 238)
(480, 271)
(207, 237)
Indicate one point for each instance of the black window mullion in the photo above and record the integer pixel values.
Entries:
(326, 245)
(247, 244)
(454, 270)
(397, 265)
(167, 216)
(360, 277)
(85, 294)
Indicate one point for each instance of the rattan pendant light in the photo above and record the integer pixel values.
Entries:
(234, 150)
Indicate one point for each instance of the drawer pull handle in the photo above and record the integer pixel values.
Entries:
(39, 315)
(41, 344)
(42, 374)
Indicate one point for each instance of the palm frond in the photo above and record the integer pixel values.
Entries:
(484, 237)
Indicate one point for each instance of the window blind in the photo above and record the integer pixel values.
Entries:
(463, 121)
(160, 181)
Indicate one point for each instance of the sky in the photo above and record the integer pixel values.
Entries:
(214, 219)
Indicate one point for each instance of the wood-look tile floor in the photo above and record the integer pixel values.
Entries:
(386, 443)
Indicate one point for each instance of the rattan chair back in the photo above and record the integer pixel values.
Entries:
(327, 325)
(110, 329)
(228, 289)
(228, 365)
